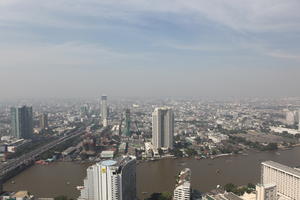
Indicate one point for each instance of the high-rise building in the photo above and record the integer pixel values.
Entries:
(286, 179)
(127, 130)
(84, 110)
(104, 110)
(163, 128)
(292, 117)
(298, 120)
(266, 192)
(43, 120)
(21, 122)
(183, 187)
(111, 180)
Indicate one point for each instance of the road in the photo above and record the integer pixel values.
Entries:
(31, 156)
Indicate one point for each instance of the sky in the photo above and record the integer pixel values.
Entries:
(149, 48)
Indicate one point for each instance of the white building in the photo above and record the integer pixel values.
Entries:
(111, 180)
(286, 179)
(266, 192)
(283, 129)
(183, 187)
(104, 110)
(163, 128)
(217, 137)
(292, 117)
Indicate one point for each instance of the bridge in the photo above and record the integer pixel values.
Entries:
(29, 158)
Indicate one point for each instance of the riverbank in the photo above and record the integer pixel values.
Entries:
(51, 180)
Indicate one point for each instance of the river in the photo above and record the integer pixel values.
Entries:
(61, 178)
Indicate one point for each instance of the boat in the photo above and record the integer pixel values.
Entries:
(144, 193)
(79, 187)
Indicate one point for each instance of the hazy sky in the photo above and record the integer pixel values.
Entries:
(199, 48)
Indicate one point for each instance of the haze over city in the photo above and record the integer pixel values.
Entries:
(149, 100)
(146, 48)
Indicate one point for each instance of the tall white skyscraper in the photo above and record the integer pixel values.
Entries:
(292, 117)
(286, 179)
(111, 180)
(183, 187)
(162, 128)
(299, 119)
(104, 110)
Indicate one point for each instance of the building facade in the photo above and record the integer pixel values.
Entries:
(286, 179)
(163, 128)
(111, 180)
(266, 192)
(43, 121)
(21, 122)
(127, 131)
(104, 111)
(292, 117)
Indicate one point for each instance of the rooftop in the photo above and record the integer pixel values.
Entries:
(281, 167)
(108, 162)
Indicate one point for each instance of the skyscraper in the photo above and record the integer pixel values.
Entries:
(21, 122)
(291, 117)
(104, 110)
(43, 120)
(183, 187)
(111, 180)
(163, 128)
(127, 131)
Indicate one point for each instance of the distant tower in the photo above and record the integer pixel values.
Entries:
(43, 119)
(163, 128)
(299, 119)
(21, 122)
(111, 180)
(291, 117)
(84, 110)
(104, 110)
(127, 131)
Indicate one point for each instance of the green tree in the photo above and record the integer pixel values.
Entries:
(230, 187)
(160, 151)
(191, 152)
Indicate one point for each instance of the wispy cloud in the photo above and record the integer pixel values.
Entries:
(71, 54)
(248, 15)
(195, 47)
(284, 55)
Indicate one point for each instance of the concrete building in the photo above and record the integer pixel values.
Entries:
(111, 180)
(43, 121)
(183, 187)
(292, 117)
(286, 179)
(222, 196)
(21, 122)
(104, 110)
(217, 137)
(163, 128)
(127, 131)
(266, 192)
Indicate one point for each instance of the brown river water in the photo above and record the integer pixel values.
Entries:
(61, 178)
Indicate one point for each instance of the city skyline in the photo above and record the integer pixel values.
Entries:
(165, 49)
